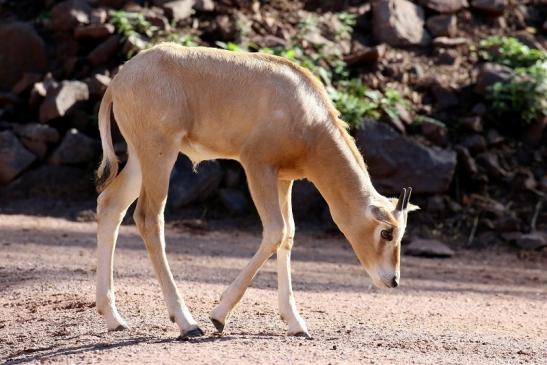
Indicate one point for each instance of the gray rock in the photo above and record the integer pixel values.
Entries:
(490, 162)
(435, 131)
(188, 186)
(97, 84)
(67, 15)
(466, 160)
(234, 200)
(14, 158)
(445, 6)
(395, 161)
(306, 199)
(428, 248)
(179, 9)
(475, 143)
(55, 182)
(472, 123)
(535, 240)
(446, 42)
(204, 5)
(75, 148)
(22, 51)
(105, 51)
(365, 56)
(59, 100)
(36, 137)
(489, 74)
(445, 96)
(94, 31)
(442, 25)
(399, 23)
(491, 7)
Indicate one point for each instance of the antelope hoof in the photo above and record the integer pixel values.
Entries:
(306, 335)
(121, 327)
(218, 325)
(196, 332)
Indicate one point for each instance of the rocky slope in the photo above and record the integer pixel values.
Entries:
(479, 174)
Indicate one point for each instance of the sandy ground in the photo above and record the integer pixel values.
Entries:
(476, 308)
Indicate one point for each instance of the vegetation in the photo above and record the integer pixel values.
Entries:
(354, 100)
(524, 95)
(510, 51)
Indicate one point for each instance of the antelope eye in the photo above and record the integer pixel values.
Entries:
(387, 234)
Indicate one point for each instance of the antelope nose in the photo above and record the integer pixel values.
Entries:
(395, 281)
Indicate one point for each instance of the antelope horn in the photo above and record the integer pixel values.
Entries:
(400, 202)
(407, 198)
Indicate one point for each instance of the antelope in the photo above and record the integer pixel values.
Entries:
(272, 116)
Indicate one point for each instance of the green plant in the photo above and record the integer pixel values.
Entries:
(510, 52)
(525, 95)
(128, 23)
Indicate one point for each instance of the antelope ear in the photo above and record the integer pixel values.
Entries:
(381, 214)
(412, 207)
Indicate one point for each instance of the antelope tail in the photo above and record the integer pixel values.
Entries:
(108, 169)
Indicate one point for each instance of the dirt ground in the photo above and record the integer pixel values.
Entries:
(477, 308)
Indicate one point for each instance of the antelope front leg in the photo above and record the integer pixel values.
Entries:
(263, 187)
(287, 304)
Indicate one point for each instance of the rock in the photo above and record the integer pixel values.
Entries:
(472, 123)
(204, 5)
(26, 82)
(306, 200)
(494, 138)
(365, 56)
(445, 96)
(179, 9)
(490, 162)
(489, 74)
(36, 137)
(188, 186)
(75, 148)
(22, 51)
(14, 158)
(535, 240)
(448, 57)
(428, 248)
(475, 143)
(97, 84)
(446, 42)
(232, 175)
(466, 160)
(508, 223)
(105, 51)
(479, 109)
(445, 6)
(533, 133)
(434, 130)
(68, 14)
(64, 182)
(134, 44)
(94, 31)
(442, 25)
(399, 23)
(61, 99)
(395, 161)
(234, 200)
(435, 204)
(116, 4)
(490, 7)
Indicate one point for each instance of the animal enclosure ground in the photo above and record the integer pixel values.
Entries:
(479, 307)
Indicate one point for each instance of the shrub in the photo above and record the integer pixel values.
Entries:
(525, 95)
(510, 52)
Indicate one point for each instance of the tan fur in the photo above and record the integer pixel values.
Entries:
(261, 110)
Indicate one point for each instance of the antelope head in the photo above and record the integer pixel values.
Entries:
(377, 243)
